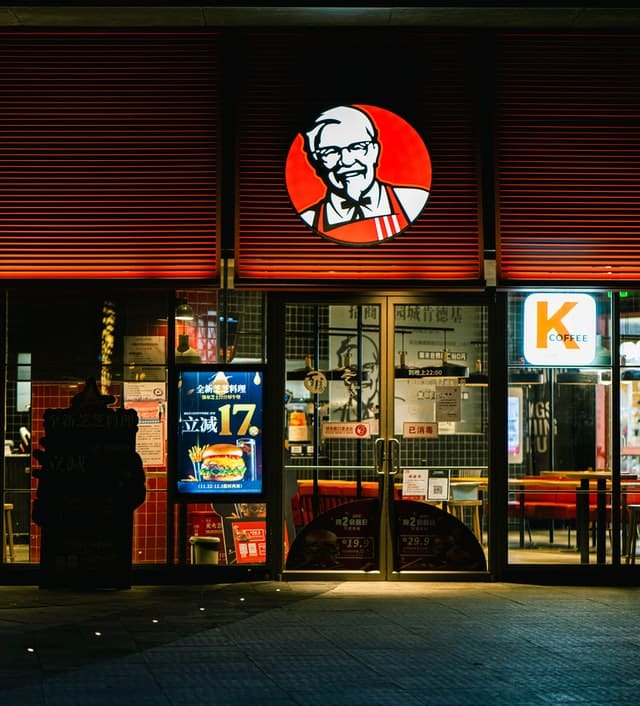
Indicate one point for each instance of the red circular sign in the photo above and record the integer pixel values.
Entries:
(361, 429)
(359, 175)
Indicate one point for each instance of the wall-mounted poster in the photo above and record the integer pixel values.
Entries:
(514, 426)
(144, 358)
(220, 432)
(149, 399)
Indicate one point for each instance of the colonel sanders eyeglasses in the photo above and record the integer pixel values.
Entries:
(329, 156)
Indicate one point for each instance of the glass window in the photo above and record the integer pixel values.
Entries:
(629, 420)
(219, 327)
(559, 435)
(213, 327)
(56, 342)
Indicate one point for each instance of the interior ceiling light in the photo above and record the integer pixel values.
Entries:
(525, 377)
(577, 377)
(604, 377)
(452, 370)
(183, 311)
(477, 379)
(447, 369)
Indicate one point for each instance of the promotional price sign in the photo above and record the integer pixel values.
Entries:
(220, 432)
(344, 537)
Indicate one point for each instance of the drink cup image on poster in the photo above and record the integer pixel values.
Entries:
(220, 421)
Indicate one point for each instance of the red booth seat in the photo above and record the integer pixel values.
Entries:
(331, 493)
(545, 501)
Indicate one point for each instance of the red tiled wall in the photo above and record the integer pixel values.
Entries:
(150, 519)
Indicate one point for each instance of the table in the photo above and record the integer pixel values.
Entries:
(585, 479)
(538, 482)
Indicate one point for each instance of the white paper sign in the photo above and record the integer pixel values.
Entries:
(414, 482)
(149, 401)
(448, 403)
(144, 350)
(438, 485)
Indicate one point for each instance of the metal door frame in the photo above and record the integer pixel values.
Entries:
(275, 448)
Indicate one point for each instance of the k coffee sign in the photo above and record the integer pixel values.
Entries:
(358, 175)
(559, 329)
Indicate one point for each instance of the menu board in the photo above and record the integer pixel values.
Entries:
(220, 432)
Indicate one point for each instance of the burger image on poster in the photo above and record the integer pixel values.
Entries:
(320, 549)
(223, 462)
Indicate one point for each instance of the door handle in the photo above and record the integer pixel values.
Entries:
(379, 455)
(394, 456)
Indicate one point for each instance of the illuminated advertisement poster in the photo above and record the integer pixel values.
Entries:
(514, 425)
(560, 329)
(250, 541)
(220, 432)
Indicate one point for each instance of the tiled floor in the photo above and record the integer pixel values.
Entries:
(320, 643)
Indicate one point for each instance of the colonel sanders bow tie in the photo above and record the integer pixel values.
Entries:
(356, 205)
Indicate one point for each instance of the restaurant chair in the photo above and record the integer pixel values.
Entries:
(465, 496)
(632, 535)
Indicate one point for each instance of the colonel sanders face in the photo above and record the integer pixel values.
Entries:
(344, 147)
(334, 183)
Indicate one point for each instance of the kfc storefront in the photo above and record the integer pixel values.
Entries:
(366, 329)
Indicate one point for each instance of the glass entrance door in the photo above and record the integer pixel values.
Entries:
(385, 438)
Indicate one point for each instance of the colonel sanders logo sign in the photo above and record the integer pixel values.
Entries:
(359, 175)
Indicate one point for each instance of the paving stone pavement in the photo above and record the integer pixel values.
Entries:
(320, 643)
